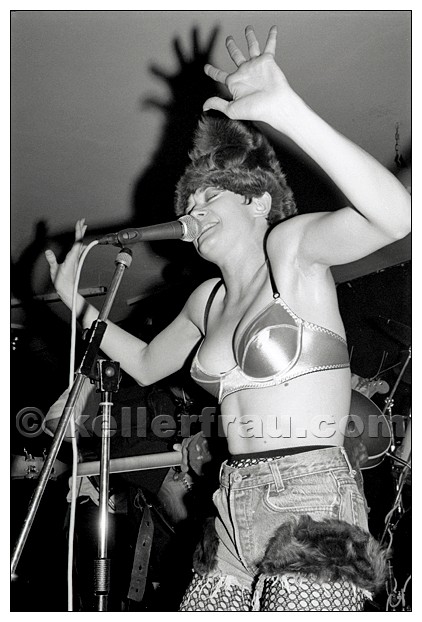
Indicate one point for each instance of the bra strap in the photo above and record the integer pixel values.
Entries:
(210, 301)
(276, 293)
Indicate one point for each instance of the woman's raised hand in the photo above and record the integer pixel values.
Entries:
(256, 85)
(63, 275)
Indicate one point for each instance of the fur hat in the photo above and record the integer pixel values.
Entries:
(235, 156)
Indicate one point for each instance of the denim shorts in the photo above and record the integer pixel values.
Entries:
(290, 533)
(253, 502)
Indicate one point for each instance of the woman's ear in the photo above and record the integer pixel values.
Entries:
(262, 205)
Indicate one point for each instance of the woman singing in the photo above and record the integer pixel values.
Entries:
(291, 531)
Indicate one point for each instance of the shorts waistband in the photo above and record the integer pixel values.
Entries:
(239, 460)
(291, 465)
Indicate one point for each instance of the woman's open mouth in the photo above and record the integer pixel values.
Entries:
(207, 227)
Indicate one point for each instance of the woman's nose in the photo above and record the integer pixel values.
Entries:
(199, 212)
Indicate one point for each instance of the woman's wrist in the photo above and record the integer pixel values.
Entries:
(82, 313)
(285, 113)
(82, 309)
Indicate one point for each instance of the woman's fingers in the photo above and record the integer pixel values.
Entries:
(52, 262)
(80, 229)
(271, 43)
(234, 52)
(216, 103)
(73, 255)
(253, 45)
(216, 74)
(185, 456)
(236, 55)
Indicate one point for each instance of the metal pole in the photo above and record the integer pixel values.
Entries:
(123, 261)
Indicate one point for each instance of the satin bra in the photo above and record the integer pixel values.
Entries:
(275, 347)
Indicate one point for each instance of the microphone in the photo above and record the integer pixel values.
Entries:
(187, 228)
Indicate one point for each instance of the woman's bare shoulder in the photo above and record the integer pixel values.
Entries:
(198, 299)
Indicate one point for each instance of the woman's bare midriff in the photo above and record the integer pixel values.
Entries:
(306, 411)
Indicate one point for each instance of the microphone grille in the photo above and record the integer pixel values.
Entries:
(192, 228)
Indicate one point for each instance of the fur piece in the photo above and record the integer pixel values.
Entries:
(235, 156)
(204, 557)
(330, 550)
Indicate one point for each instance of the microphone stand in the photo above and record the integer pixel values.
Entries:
(96, 332)
(108, 382)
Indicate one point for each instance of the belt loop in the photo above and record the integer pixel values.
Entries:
(223, 464)
(346, 457)
(276, 475)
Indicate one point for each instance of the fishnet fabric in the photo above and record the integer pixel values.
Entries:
(287, 593)
(293, 593)
(216, 593)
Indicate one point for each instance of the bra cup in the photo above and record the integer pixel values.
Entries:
(212, 384)
(271, 352)
(276, 346)
(329, 347)
(275, 315)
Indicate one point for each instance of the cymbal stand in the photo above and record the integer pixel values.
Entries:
(123, 261)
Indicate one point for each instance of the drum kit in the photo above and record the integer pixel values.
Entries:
(384, 433)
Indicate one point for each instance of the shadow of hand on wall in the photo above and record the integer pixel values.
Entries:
(152, 202)
(189, 86)
(153, 197)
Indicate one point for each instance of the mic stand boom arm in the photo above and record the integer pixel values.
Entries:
(123, 261)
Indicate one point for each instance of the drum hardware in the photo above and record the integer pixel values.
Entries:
(364, 413)
(363, 426)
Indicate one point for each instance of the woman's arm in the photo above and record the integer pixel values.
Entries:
(146, 363)
(381, 214)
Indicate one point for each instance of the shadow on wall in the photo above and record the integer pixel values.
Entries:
(40, 357)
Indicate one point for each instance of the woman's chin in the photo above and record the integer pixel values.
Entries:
(206, 246)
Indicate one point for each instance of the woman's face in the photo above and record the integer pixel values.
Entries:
(217, 211)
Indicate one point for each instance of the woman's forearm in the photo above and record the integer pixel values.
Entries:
(116, 343)
(369, 186)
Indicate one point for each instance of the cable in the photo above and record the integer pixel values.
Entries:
(403, 592)
(74, 490)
